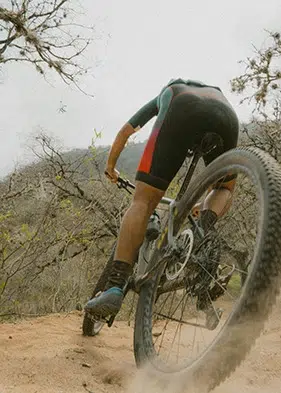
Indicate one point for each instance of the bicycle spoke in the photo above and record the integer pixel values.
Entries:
(162, 335)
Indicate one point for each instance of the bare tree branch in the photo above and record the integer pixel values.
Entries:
(262, 72)
(45, 34)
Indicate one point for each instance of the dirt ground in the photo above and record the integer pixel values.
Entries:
(49, 355)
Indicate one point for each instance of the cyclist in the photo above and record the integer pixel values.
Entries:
(186, 110)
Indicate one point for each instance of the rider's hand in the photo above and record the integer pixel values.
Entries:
(112, 174)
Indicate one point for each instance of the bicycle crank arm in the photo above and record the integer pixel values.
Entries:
(110, 320)
(169, 286)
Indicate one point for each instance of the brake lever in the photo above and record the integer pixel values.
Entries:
(124, 183)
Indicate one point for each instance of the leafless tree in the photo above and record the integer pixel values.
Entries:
(58, 222)
(262, 72)
(261, 81)
(46, 34)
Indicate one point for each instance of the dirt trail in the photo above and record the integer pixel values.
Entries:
(50, 355)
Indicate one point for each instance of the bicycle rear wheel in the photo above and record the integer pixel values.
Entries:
(258, 276)
(90, 326)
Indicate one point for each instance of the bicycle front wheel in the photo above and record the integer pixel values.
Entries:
(173, 332)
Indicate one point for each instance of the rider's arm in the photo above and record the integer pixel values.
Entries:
(140, 118)
(118, 145)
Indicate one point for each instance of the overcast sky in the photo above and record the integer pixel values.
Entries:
(140, 46)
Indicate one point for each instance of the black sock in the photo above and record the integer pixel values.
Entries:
(207, 219)
(119, 274)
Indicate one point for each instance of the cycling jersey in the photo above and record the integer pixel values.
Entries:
(149, 110)
(186, 111)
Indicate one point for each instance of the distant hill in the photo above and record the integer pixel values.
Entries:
(130, 157)
(92, 161)
(127, 163)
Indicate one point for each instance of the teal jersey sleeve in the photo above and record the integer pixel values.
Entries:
(144, 114)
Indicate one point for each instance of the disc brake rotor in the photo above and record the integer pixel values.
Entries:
(185, 243)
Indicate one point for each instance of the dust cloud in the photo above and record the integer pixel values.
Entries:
(50, 354)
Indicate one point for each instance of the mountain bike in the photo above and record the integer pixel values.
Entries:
(187, 278)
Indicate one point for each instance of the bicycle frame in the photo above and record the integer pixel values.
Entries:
(142, 275)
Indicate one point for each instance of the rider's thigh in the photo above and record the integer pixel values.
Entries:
(145, 193)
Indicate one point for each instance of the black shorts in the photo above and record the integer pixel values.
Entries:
(187, 119)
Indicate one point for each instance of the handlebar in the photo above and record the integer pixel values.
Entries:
(123, 183)
(126, 184)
